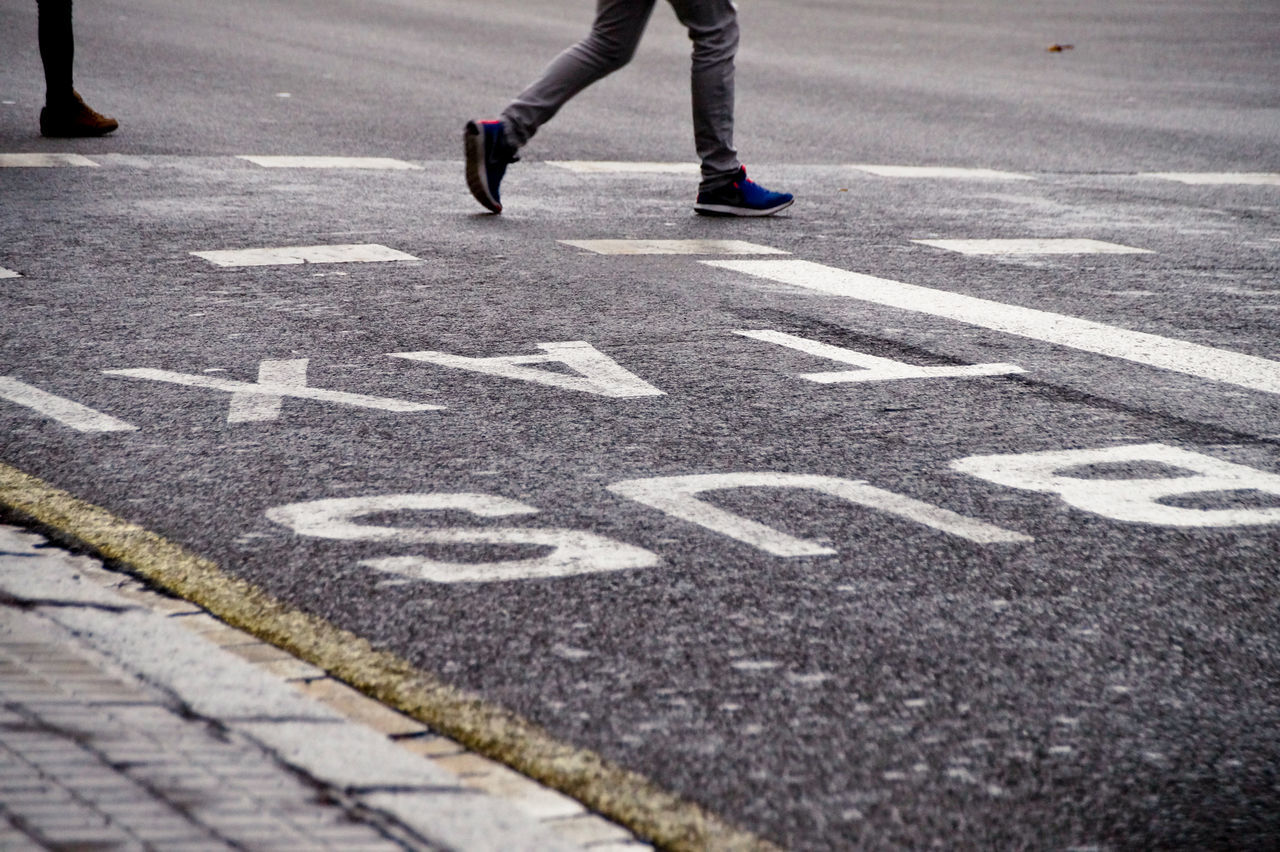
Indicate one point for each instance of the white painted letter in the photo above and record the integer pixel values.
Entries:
(573, 551)
(597, 373)
(68, 413)
(677, 496)
(874, 369)
(276, 380)
(1137, 499)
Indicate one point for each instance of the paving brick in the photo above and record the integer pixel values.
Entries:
(293, 669)
(260, 652)
(13, 840)
(589, 829)
(529, 796)
(359, 707)
(430, 745)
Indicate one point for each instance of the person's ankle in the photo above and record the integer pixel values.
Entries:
(60, 100)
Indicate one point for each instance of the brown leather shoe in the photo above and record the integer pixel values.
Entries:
(74, 118)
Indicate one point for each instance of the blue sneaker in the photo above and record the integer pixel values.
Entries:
(488, 156)
(742, 197)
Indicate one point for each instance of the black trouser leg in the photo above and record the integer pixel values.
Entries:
(57, 49)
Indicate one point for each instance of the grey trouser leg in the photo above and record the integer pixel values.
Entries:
(713, 27)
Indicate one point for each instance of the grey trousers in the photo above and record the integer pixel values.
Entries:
(713, 28)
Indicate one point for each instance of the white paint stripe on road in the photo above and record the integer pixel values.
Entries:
(8, 273)
(1033, 246)
(1192, 359)
(274, 162)
(620, 168)
(944, 172)
(291, 373)
(68, 413)
(671, 247)
(44, 160)
(1219, 178)
(365, 253)
(871, 367)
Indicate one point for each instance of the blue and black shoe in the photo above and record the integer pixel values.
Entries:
(488, 156)
(742, 197)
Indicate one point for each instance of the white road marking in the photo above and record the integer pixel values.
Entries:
(8, 273)
(256, 407)
(386, 163)
(1024, 246)
(621, 168)
(1139, 500)
(361, 253)
(944, 172)
(597, 373)
(1219, 178)
(677, 496)
(874, 369)
(572, 551)
(277, 379)
(1191, 359)
(754, 665)
(672, 247)
(44, 160)
(68, 413)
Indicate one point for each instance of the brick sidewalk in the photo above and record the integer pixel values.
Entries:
(130, 720)
(91, 759)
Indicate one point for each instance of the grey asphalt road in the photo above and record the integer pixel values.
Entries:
(1066, 651)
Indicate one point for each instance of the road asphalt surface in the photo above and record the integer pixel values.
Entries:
(850, 526)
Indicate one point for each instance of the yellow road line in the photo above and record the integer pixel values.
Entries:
(626, 797)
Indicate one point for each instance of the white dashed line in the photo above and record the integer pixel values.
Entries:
(1025, 246)
(386, 163)
(44, 160)
(1191, 359)
(68, 413)
(365, 253)
(671, 247)
(1219, 178)
(944, 172)
(620, 168)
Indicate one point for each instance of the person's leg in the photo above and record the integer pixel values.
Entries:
(725, 189)
(713, 28)
(57, 50)
(64, 113)
(609, 46)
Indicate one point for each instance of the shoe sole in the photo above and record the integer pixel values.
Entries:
(729, 210)
(477, 178)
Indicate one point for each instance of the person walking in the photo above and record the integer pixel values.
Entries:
(65, 113)
(724, 190)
